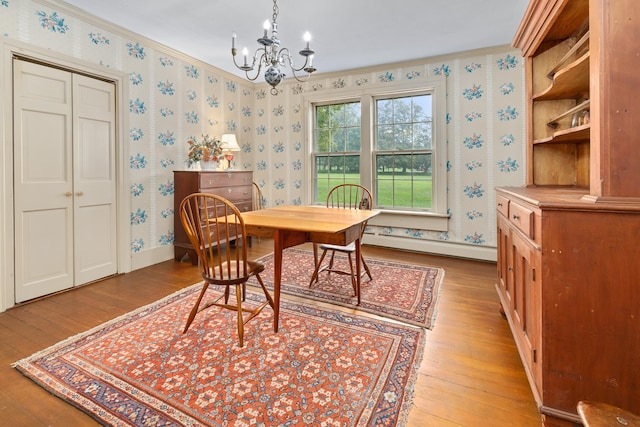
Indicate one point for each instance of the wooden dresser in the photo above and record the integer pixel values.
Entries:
(235, 186)
(569, 241)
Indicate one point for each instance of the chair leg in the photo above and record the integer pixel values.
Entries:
(226, 295)
(194, 310)
(366, 267)
(333, 254)
(266, 292)
(316, 271)
(239, 297)
(354, 283)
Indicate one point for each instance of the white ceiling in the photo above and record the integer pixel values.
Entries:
(346, 34)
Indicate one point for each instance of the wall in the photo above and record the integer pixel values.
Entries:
(172, 97)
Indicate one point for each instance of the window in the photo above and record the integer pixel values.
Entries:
(336, 146)
(392, 142)
(403, 146)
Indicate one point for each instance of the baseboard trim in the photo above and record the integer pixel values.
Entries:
(453, 249)
(150, 257)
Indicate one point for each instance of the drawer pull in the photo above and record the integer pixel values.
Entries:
(500, 204)
(516, 217)
(622, 421)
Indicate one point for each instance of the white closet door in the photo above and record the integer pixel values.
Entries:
(43, 180)
(94, 179)
(56, 174)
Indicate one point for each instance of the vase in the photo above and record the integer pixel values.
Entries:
(209, 166)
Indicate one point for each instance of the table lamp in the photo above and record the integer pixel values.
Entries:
(229, 145)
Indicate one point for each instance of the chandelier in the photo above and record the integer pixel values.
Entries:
(272, 57)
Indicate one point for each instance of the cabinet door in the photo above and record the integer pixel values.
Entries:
(525, 297)
(504, 263)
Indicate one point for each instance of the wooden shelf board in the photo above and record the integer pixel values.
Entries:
(570, 82)
(576, 135)
(580, 107)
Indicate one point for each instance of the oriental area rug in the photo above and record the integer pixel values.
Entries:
(324, 367)
(404, 292)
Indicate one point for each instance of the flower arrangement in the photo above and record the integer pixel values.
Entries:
(209, 149)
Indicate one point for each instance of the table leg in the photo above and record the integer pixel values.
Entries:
(358, 270)
(282, 239)
(278, 247)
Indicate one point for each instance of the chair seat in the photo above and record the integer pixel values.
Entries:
(351, 247)
(599, 414)
(253, 268)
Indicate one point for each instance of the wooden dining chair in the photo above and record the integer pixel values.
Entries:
(212, 222)
(600, 414)
(257, 200)
(257, 203)
(349, 196)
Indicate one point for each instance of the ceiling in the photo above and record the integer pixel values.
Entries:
(346, 34)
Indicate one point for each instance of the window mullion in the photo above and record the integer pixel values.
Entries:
(367, 133)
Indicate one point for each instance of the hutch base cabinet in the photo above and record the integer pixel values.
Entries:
(569, 284)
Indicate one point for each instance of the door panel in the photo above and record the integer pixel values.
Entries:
(45, 263)
(43, 182)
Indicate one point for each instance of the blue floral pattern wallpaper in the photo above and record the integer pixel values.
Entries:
(173, 97)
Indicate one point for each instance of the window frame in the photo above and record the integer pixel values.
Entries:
(438, 214)
(377, 151)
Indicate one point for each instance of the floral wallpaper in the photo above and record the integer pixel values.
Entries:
(173, 97)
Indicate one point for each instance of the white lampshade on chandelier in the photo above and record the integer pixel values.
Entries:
(272, 57)
(229, 145)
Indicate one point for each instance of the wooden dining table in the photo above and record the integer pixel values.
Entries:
(294, 225)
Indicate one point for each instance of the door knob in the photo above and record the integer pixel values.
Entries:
(79, 193)
(68, 194)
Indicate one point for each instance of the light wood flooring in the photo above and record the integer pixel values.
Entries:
(471, 374)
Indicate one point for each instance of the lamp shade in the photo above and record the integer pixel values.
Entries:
(229, 142)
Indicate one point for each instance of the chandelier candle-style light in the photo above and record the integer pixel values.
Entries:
(272, 57)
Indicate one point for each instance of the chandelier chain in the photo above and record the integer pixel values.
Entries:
(275, 10)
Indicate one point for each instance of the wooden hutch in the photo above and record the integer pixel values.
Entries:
(569, 241)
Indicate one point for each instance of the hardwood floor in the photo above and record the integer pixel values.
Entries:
(471, 374)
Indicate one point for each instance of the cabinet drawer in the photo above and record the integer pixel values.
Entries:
(502, 205)
(224, 179)
(233, 194)
(242, 207)
(522, 218)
